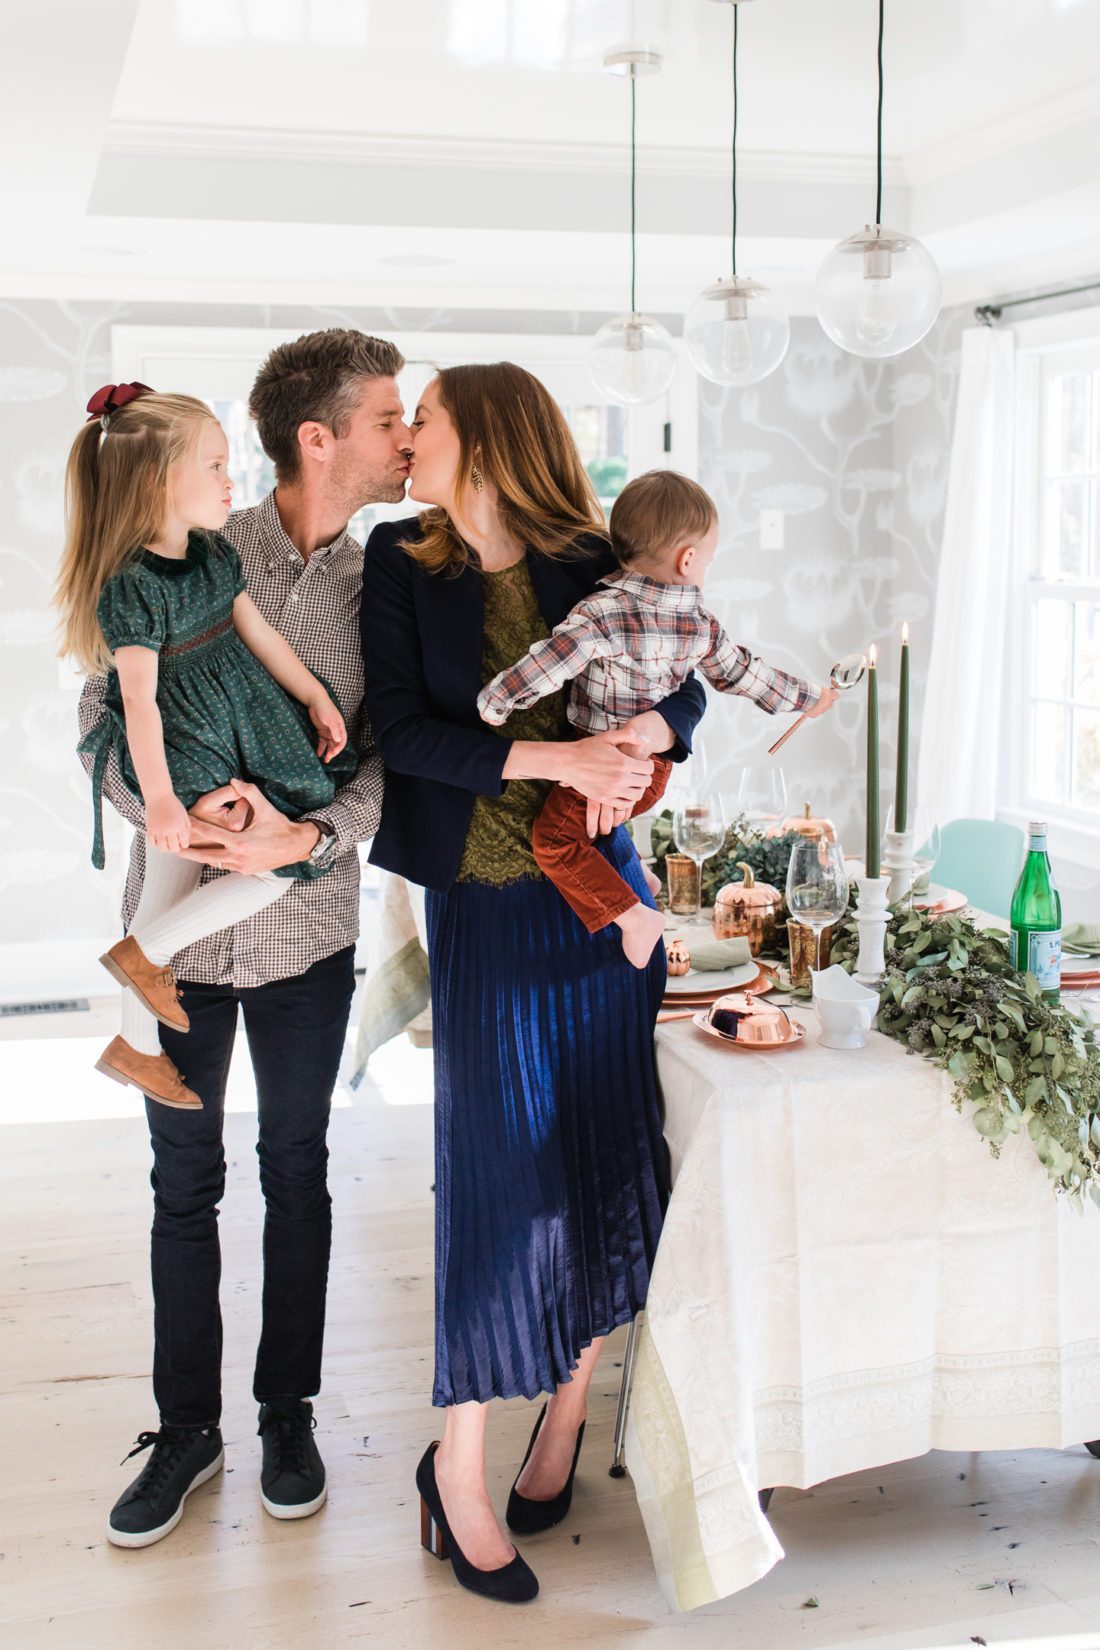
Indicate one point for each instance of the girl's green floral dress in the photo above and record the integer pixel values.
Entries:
(225, 717)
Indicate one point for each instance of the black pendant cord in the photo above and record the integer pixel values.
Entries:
(733, 149)
(878, 190)
(633, 186)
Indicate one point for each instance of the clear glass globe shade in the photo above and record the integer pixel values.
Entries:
(878, 293)
(632, 359)
(736, 332)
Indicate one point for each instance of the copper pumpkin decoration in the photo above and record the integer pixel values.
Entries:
(677, 956)
(807, 825)
(750, 908)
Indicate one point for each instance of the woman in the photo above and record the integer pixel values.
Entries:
(551, 1170)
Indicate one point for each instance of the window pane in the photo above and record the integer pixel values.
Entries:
(1067, 517)
(1086, 652)
(252, 471)
(600, 432)
(1068, 423)
(1048, 753)
(1050, 665)
(1086, 758)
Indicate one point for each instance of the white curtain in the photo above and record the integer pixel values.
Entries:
(960, 732)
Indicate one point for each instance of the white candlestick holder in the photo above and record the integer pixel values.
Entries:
(901, 864)
(871, 918)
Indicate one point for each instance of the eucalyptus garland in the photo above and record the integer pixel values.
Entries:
(952, 995)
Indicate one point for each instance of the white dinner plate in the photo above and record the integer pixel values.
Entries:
(718, 979)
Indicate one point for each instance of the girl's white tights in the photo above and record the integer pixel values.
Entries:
(174, 912)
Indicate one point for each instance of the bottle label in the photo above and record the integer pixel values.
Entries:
(1044, 956)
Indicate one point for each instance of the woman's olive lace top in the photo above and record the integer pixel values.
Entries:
(498, 843)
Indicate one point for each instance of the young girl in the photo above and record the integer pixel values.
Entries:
(150, 592)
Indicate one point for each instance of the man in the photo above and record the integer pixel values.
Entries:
(329, 416)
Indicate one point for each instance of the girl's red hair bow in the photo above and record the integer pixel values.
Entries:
(113, 396)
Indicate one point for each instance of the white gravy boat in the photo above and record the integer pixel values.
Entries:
(845, 1008)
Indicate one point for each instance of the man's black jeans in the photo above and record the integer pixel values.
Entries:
(295, 1029)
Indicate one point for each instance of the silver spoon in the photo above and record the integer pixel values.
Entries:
(844, 675)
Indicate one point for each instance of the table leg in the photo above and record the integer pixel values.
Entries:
(617, 1468)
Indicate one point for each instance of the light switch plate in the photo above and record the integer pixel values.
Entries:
(772, 534)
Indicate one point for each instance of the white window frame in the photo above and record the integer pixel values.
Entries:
(1074, 833)
(220, 363)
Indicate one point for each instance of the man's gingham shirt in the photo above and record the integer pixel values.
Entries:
(314, 604)
(630, 645)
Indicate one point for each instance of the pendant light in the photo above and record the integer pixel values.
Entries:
(736, 331)
(633, 357)
(879, 291)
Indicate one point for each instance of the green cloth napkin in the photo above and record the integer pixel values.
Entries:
(708, 956)
(1079, 939)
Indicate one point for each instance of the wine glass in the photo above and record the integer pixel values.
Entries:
(762, 794)
(699, 830)
(817, 887)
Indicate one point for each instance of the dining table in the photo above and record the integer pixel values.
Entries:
(847, 1277)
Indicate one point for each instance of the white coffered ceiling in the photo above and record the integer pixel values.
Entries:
(473, 151)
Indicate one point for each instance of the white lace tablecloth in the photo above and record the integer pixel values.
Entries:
(846, 1277)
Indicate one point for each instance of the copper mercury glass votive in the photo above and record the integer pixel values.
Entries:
(684, 880)
(802, 951)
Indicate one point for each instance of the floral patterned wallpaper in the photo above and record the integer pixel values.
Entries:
(856, 454)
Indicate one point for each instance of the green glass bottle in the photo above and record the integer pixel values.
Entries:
(1036, 917)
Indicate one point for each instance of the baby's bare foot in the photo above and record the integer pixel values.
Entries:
(641, 931)
(653, 883)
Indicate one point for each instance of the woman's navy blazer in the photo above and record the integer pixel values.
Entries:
(422, 641)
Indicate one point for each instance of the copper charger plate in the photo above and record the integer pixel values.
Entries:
(797, 1033)
(766, 980)
(943, 902)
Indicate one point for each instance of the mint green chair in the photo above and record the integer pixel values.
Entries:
(982, 858)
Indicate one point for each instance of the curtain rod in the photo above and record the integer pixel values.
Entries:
(987, 314)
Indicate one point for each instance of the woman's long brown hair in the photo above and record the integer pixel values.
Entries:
(116, 500)
(512, 428)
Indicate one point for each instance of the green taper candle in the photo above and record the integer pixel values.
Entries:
(901, 782)
(873, 828)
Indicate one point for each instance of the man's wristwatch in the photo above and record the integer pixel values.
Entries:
(325, 846)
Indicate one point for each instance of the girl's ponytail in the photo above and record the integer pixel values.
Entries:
(79, 583)
(116, 500)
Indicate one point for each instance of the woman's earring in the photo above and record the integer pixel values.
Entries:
(476, 481)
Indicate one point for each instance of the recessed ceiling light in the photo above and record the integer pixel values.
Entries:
(416, 260)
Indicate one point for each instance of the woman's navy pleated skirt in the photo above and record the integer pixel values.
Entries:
(551, 1168)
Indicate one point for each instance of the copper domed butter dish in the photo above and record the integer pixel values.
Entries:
(745, 1022)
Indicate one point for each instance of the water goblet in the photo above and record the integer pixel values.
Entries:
(762, 794)
(817, 887)
(699, 830)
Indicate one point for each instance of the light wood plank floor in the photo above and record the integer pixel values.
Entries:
(898, 1559)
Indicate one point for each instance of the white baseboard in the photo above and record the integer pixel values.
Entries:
(40, 971)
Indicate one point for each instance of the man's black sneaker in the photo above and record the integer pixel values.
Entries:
(182, 1459)
(292, 1479)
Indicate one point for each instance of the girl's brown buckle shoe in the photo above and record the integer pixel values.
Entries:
(154, 1074)
(154, 985)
